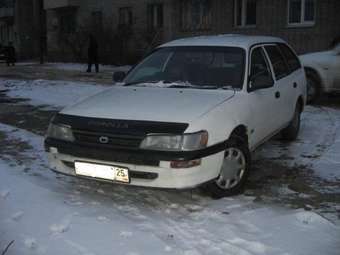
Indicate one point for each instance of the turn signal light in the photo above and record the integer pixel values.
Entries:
(185, 163)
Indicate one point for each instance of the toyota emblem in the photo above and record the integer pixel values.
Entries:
(104, 139)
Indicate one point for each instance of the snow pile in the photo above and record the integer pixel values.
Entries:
(48, 215)
(46, 92)
(83, 67)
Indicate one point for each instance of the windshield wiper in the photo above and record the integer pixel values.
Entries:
(140, 83)
(199, 87)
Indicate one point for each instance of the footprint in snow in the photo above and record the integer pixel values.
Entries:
(17, 216)
(59, 228)
(174, 206)
(103, 219)
(193, 208)
(126, 234)
(100, 191)
(167, 249)
(4, 194)
(94, 203)
(30, 243)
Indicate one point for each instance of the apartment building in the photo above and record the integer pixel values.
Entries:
(127, 29)
(21, 22)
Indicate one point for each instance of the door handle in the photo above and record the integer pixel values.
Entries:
(277, 94)
(295, 85)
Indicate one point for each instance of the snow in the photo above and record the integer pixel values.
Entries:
(317, 147)
(83, 67)
(52, 93)
(49, 215)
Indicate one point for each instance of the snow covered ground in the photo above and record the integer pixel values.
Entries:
(48, 214)
(55, 94)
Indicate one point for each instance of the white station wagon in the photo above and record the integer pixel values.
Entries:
(188, 115)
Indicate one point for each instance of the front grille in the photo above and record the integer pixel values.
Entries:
(113, 140)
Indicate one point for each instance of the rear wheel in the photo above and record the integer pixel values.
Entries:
(234, 170)
(291, 132)
(313, 87)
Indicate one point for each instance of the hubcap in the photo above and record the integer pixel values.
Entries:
(233, 169)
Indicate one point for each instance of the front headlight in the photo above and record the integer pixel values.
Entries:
(61, 132)
(186, 142)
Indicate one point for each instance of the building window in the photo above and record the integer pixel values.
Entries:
(245, 13)
(195, 14)
(155, 16)
(67, 20)
(125, 16)
(301, 12)
(97, 20)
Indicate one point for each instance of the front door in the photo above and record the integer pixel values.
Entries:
(262, 102)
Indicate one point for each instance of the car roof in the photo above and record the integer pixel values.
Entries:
(231, 40)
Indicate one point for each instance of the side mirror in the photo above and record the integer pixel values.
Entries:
(260, 81)
(119, 76)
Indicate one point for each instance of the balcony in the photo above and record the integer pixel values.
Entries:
(53, 4)
(6, 12)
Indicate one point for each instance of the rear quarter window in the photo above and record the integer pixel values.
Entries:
(278, 62)
(291, 58)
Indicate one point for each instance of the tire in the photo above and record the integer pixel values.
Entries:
(313, 87)
(229, 183)
(291, 132)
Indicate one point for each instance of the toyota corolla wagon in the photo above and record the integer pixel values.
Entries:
(188, 115)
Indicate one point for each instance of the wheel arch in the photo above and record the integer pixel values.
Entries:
(301, 102)
(241, 131)
(316, 73)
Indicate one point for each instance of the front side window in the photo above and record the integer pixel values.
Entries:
(301, 12)
(195, 14)
(259, 71)
(278, 62)
(199, 67)
(245, 13)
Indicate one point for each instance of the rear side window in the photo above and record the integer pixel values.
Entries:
(260, 69)
(278, 62)
(292, 60)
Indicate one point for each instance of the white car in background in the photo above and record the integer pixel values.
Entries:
(322, 71)
(188, 115)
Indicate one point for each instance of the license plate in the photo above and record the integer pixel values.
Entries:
(106, 172)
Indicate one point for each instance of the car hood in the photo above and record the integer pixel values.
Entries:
(150, 104)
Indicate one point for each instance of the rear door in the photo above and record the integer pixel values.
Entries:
(285, 85)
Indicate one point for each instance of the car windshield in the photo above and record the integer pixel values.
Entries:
(191, 67)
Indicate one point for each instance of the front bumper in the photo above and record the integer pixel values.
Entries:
(148, 169)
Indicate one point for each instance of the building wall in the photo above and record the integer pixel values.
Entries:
(22, 28)
(118, 48)
(272, 20)
(6, 22)
(110, 40)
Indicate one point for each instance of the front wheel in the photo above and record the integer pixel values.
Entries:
(313, 87)
(234, 171)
